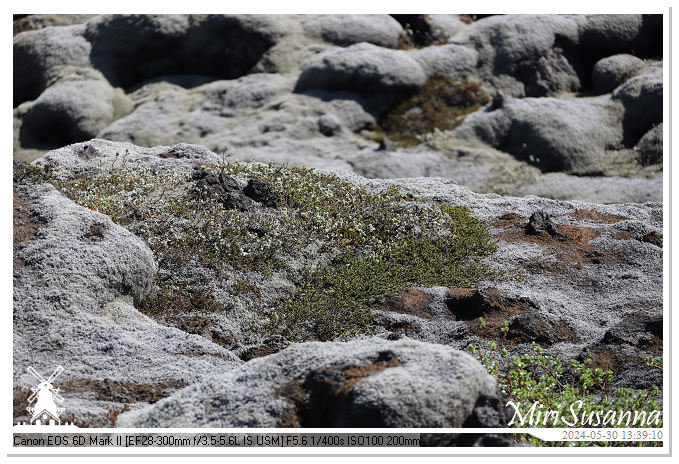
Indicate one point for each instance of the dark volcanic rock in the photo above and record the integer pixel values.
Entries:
(642, 97)
(71, 110)
(329, 125)
(570, 135)
(224, 187)
(525, 55)
(43, 55)
(488, 412)
(470, 303)
(261, 192)
(85, 315)
(638, 378)
(219, 80)
(540, 223)
(350, 29)
(536, 327)
(636, 331)
(607, 34)
(650, 146)
(362, 68)
(130, 49)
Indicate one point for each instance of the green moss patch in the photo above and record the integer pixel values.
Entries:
(442, 103)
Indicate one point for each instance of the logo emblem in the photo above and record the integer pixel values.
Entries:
(45, 408)
(44, 399)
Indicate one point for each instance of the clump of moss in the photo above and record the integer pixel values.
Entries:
(442, 103)
(367, 245)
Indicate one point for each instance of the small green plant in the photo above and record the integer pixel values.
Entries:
(652, 361)
(406, 40)
(224, 163)
(482, 324)
(505, 329)
(123, 161)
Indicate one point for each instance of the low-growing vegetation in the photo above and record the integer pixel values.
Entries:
(345, 249)
(555, 386)
(23, 170)
(442, 103)
(355, 246)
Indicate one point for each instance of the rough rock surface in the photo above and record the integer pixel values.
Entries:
(612, 71)
(650, 146)
(642, 98)
(363, 68)
(573, 280)
(610, 34)
(575, 116)
(71, 110)
(75, 287)
(382, 30)
(43, 55)
(566, 135)
(361, 383)
(306, 89)
(591, 279)
(525, 54)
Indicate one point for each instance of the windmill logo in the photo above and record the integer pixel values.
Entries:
(45, 410)
(43, 404)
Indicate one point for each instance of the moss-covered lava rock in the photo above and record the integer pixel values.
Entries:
(344, 247)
